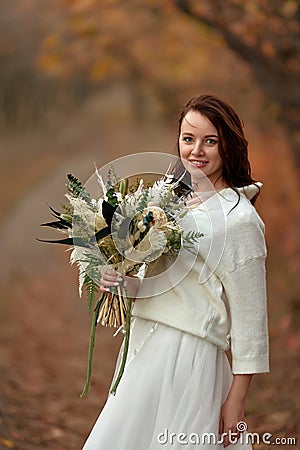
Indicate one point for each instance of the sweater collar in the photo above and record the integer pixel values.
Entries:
(226, 196)
(250, 190)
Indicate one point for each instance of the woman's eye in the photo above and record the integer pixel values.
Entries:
(187, 139)
(211, 141)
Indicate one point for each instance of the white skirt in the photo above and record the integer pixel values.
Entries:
(169, 397)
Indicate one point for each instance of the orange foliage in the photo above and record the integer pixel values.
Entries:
(112, 38)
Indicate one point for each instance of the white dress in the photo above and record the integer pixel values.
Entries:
(170, 395)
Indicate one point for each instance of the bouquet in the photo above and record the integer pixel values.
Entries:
(124, 228)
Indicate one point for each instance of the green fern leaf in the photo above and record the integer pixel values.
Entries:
(76, 189)
(91, 289)
(192, 236)
(143, 201)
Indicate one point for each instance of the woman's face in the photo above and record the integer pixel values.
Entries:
(199, 149)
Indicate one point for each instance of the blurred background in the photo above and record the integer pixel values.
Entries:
(84, 81)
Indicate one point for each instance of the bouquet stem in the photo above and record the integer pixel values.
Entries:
(91, 348)
(126, 345)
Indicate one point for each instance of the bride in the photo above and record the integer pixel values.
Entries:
(178, 388)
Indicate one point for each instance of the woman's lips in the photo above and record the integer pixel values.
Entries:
(198, 163)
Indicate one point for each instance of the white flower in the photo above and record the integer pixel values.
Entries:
(83, 218)
(159, 216)
(119, 196)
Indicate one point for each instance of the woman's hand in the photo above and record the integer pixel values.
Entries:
(232, 411)
(111, 278)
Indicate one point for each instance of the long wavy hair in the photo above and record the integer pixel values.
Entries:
(233, 146)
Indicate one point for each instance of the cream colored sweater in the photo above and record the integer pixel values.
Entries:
(218, 292)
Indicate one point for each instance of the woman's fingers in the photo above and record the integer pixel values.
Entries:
(110, 276)
(110, 279)
(103, 288)
(221, 426)
(109, 283)
(230, 436)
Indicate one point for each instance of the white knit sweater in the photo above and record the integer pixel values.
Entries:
(219, 294)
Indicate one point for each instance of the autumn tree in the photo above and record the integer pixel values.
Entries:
(265, 34)
(149, 46)
(162, 51)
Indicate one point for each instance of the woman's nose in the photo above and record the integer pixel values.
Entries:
(198, 148)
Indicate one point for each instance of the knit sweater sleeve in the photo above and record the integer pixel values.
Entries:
(243, 276)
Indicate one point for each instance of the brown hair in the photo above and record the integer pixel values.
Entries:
(233, 146)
